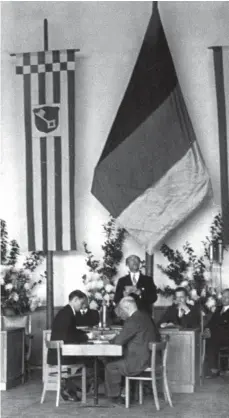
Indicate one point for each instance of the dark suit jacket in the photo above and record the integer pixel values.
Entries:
(147, 286)
(89, 319)
(138, 331)
(64, 328)
(191, 320)
(219, 326)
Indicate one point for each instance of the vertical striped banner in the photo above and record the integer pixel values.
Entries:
(221, 66)
(48, 92)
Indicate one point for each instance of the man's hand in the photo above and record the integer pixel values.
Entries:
(207, 333)
(184, 307)
(167, 324)
(131, 289)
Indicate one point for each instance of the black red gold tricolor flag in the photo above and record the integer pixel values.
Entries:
(151, 175)
(46, 85)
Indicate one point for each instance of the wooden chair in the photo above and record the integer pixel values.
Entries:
(156, 372)
(54, 374)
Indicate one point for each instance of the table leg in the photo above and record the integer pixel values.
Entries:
(95, 381)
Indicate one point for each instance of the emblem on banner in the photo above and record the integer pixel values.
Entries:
(46, 119)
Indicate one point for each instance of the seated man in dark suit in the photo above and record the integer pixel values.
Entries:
(138, 331)
(181, 314)
(64, 328)
(87, 317)
(217, 334)
(137, 285)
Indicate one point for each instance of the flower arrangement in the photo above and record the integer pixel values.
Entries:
(193, 272)
(18, 284)
(99, 282)
(99, 290)
(17, 290)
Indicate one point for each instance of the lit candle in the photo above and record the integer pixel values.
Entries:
(211, 252)
(220, 252)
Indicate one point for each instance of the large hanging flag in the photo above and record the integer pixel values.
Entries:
(221, 65)
(150, 175)
(47, 89)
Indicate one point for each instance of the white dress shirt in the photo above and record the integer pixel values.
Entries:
(135, 277)
(73, 310)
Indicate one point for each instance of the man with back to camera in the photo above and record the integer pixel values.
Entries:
(138, 331)
(217, 334)
(181, 313)
(138, 285)
(64, 328)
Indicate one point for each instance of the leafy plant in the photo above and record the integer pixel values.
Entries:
(190, 271)
(17, 284)
(112, 249)
(99, 282)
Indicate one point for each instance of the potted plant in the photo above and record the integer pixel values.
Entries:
(18, 283)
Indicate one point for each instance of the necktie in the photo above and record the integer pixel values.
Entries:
(134, 279)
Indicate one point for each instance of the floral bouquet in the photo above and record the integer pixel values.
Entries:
(17, 286)
(193, 273)
(99, 290)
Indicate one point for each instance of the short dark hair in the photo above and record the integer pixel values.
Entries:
(181, 289)
(130, 256)
(76, 294)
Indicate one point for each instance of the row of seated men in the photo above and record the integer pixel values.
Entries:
(133, 306)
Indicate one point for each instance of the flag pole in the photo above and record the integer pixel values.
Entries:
(49, 282)
(222, 137)
(149, 260)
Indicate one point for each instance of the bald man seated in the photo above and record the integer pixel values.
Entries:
(138, 331)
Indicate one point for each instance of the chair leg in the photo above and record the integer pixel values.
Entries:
(140, 392)
(43, 393)
(58, 391)
(166, 389)
(155, 394)
(127, 390)
(84, 390)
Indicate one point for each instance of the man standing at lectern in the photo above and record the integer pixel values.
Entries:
(137, 285)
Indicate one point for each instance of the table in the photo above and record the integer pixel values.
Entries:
(183, 364)
(93, 350)
(12, 358)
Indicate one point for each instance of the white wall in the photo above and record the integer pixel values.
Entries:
(109, 35)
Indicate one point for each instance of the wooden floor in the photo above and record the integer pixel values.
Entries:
(210, 401)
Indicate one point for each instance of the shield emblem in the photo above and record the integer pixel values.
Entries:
(46, 118)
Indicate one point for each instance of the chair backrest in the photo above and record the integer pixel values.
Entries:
(9, 322)
(159, 347)
(56, 345)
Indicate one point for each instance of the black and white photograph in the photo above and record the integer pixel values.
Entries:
(114, 212)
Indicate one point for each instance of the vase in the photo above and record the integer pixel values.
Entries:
(9, 312)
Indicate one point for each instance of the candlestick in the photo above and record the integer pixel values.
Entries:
(211, 252)
(220, 252)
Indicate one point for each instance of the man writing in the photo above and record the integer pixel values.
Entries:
(86, 317)
(139, 329)
(138, 285)
(181, 313)
(217, 334)
(64, 328)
